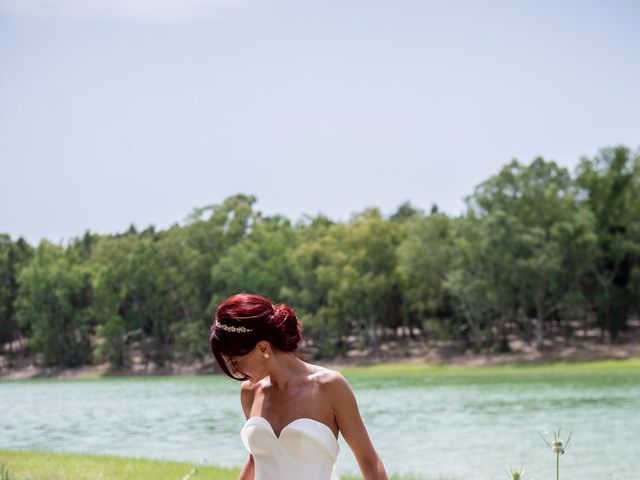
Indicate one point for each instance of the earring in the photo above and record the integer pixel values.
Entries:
(265, 355)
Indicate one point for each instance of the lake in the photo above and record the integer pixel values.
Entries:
(451, 425)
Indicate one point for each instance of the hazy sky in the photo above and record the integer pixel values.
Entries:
(136, 111)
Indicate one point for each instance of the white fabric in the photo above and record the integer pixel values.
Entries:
(306, 450)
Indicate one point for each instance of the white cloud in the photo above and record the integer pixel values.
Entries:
(129, 10)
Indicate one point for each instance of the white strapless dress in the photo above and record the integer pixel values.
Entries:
(306, 450)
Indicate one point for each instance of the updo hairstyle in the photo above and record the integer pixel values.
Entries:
(242, 320)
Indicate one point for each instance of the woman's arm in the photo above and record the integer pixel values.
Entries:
(248, 471)
(247, 393)
(352, 427)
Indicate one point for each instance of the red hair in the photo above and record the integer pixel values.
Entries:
(242, 320)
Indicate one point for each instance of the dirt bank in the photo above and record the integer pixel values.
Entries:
(416, 351)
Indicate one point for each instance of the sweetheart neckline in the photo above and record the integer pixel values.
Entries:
(291, 423)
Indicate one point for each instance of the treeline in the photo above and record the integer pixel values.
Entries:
(538, 253)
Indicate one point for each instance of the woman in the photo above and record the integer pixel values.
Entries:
(294, 410)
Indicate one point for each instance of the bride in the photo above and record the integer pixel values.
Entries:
(294, 410)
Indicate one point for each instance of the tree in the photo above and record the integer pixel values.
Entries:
(211, 236)
(363, 288)
(257, 263)
(406, 211)
(607, 187)
(133, 296)
(530, 237)
(13, 257)
(424, 260)
(53, 304)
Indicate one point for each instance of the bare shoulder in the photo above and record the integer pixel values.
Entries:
(247, 386)
(247, 394)
(248, 390)
(331, 382)
(338, 394)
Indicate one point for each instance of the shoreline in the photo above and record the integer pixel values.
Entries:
(433, 356)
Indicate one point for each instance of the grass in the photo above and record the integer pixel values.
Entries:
(631, 365)
(414, 369)
(39, 465)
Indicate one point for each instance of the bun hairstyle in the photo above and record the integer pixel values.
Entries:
(242, 320)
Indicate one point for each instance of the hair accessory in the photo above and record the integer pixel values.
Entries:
(231, 328)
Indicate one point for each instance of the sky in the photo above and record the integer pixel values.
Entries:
(115, 112)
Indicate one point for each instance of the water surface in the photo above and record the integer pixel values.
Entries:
(436, 426)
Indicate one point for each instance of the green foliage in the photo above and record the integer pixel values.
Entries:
(191, 340)
(132, 296)
(257, 263)
(13, 257)
(208, 238)
(424, 260)
(523, 248)
(608, 184)
(53, 305)
(112, 347)
(536, 251)
(360, 275)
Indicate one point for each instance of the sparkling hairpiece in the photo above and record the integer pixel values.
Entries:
(231, 328)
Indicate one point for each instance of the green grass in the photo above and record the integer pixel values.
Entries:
(37, 465)
(631, 365)
(414, 369)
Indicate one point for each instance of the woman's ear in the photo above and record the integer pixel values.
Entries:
(264, 347)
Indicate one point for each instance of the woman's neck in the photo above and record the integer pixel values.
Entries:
(285, 367)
